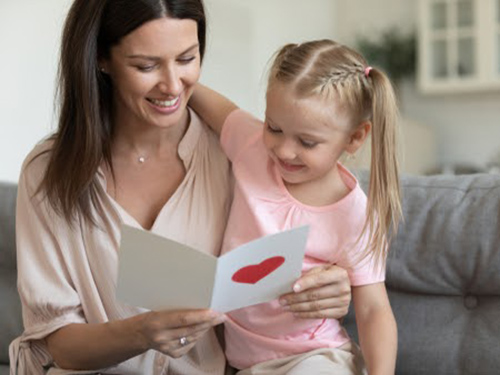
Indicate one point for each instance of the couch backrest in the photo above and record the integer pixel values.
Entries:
(10, 306)
(443, 276)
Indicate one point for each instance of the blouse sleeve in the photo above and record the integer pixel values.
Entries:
(48, 295)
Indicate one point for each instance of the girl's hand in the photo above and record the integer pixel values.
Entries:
(174, 333)
(323, 292)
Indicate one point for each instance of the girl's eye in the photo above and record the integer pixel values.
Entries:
(308, 144)
(272, 129)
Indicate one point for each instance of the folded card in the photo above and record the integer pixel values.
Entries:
(159, 273)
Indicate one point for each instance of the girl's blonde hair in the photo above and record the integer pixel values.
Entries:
(324, 67)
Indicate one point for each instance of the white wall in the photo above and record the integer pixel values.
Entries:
(245, 34)
(362, 17)
(467, 126)
(29, 39)
(242, 37)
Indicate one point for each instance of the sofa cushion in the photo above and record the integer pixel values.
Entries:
(443, 276)
(10, 306)
(8, 195)
(11, 324)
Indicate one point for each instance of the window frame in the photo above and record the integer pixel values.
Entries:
(485, 32)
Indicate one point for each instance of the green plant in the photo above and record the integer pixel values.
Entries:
(394, 51)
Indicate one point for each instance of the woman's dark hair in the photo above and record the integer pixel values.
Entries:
(83, 138)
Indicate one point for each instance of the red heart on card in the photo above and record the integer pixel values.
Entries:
(256, 272)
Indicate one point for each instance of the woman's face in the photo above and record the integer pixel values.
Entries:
(153, 70)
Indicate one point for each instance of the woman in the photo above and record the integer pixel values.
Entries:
(127, 150)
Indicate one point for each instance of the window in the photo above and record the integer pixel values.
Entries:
(459, 45)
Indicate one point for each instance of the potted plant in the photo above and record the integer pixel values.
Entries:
(393, 51)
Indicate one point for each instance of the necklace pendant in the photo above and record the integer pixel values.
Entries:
(141, 159)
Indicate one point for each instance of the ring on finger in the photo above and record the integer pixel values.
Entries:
(183, 341)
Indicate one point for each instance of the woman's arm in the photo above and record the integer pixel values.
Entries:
(97, 346)
(212, 107)
(376, 328)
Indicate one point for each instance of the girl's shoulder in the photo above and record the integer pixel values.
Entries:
(241, 130)
(241, 118)
(353, 183)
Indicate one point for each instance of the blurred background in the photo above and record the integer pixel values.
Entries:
(442, 55)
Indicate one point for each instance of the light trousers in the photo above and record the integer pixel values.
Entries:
(345, 360)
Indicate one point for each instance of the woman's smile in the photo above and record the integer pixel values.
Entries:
(165, 106)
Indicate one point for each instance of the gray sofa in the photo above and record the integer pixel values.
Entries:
(443, 276)
(10, 306)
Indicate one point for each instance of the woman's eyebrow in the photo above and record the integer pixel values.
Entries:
(144, 57)
(157, 58)
(194, 46)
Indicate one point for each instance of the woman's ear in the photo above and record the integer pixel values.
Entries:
(358, 137)
(102, 65)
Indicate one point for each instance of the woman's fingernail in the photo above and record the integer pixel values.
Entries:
(282, 302)
(296, 288)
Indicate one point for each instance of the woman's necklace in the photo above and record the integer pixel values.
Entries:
(141, 156)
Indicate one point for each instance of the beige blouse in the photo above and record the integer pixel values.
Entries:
(68, 274)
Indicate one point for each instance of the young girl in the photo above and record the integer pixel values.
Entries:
(322, 101)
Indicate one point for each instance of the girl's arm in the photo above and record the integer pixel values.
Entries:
(376, 328)
(212, 107)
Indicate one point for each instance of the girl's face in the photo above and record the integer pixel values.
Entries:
(153, 70)
(304, 136)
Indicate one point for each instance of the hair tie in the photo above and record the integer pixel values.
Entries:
(368, 69)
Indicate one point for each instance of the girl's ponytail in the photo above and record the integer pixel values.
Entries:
(325, 67)
(384, 204)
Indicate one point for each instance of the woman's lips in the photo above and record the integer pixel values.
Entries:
(165, 106)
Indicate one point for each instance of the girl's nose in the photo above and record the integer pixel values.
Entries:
(285, 150)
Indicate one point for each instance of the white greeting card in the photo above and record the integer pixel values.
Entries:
(159, 273)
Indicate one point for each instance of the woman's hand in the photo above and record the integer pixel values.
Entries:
(174, 333)
(116, 341)
(323, 292)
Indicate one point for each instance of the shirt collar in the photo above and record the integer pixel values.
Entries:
(189, 141)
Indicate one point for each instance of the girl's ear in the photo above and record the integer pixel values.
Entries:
(358, 137)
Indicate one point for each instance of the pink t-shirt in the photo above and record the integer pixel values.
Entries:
(262, 205)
